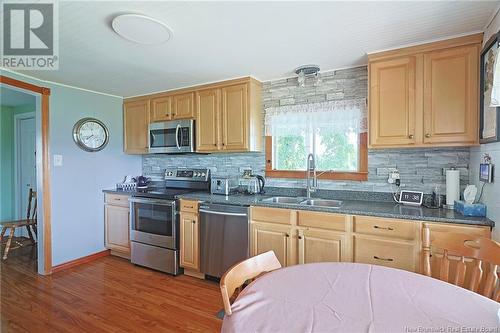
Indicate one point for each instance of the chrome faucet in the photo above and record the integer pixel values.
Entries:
(312, 182)
(311, 168)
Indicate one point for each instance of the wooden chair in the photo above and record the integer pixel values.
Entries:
(29, 223)
(471, 254)
(248, 269)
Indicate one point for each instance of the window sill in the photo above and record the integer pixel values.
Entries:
(357, 176)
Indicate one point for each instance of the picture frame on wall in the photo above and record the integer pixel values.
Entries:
(489, 116)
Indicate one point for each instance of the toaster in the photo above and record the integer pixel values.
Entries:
(223, 185)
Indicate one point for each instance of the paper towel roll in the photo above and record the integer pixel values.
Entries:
(452, 186)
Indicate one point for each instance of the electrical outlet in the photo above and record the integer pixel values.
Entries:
(393, 176)
(58, 160)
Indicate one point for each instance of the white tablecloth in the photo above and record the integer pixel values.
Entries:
(346, 297)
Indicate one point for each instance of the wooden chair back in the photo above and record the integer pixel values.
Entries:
(32, 205)
(248, 269)
(484, 253)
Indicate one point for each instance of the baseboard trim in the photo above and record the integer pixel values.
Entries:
(80, 261)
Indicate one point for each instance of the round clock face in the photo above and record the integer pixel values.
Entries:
(90, 134)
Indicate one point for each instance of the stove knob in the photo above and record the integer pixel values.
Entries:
(196, 174)
(203, 174)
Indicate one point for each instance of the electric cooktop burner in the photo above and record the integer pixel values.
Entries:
(161, 193)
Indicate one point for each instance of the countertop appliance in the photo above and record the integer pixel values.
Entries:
(223, 237)
(154, 219)
(256, 184)
(171, 137)
(223, 185)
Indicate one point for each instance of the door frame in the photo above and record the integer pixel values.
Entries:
(17, 165)
(43, 160)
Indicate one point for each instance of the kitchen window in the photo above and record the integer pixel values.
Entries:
(334, 131)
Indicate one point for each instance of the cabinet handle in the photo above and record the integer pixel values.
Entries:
(189, 207)
(215, 145)
(383, 228)
(300, 237)
(384, 259)
(193, 221)
(410, 136)
(223, 144)
(287, 235)
(427, 135)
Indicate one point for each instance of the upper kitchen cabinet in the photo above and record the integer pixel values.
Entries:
(229, 117)
(183, 106)
(207, 115)
(393, 101)
(451, 78)
(161, 109)
(135, 126)
(425, 95)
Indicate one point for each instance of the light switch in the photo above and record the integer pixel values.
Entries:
(58, 160)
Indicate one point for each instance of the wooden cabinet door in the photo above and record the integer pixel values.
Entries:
(190, 249)
(207, 124)
(117, 228)
(183, 106)
(385, 252)
(318, 245)
(451, 79)
(267, 236)
(235, 117)
(393, 102)
(135, 124)
(161, 109)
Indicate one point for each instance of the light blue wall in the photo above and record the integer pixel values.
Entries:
(77, 200)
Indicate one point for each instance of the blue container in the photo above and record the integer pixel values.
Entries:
(466, 209)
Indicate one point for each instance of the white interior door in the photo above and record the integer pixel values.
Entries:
(26, 163)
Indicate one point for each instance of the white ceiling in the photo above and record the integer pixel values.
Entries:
(219, 40)
(13, 98)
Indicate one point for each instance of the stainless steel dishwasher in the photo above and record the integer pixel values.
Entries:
(223, 237)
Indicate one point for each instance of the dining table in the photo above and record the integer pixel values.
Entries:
(353, 297)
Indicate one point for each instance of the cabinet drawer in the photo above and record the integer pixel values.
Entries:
(189, 206)
(116, 199)
(321, 220)
(385, 227)
(385, 253)
(272, 215)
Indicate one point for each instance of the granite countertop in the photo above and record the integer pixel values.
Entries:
(351, 207)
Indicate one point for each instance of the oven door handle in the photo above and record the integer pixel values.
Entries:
(177, 136)
(222, 213)
(152, 201)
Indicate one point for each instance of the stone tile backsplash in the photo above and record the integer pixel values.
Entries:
(421, 169)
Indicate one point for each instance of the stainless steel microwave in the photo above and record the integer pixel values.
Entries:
(171, 137)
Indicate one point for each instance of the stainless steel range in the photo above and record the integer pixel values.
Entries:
(155, 220)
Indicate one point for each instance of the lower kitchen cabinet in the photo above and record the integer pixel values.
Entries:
(302, 237)
(190, 249)
(278, 238)
(117, 225)
(386, 252)
(317, 245)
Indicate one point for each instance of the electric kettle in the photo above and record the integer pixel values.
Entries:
(256, 185)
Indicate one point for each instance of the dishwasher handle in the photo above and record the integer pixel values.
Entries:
(214, 212)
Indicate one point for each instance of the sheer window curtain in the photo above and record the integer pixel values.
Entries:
(335, 116)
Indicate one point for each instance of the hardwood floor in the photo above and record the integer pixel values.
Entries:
(106, 295)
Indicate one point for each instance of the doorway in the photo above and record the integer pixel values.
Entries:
(17, 172)
(25, 162)
(41, 180)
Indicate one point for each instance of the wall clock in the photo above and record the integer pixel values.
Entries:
(90, 134)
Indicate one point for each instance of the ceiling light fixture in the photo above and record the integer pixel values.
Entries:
(141, 29)
(307, 71)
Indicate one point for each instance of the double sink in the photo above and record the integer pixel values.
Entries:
(304, 202)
